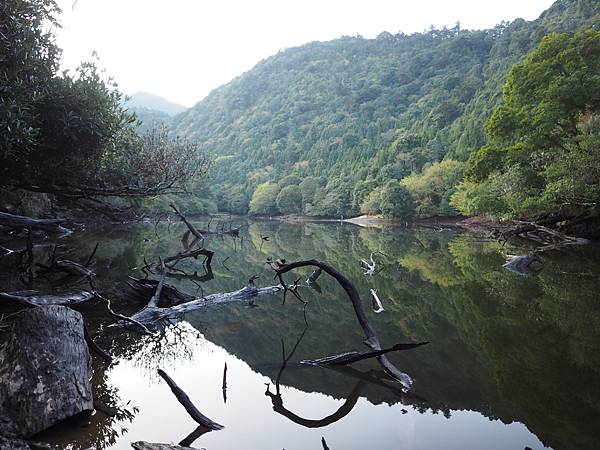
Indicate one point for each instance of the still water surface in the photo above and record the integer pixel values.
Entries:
(513, 361)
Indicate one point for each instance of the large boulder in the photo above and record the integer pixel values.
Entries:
(46, 369)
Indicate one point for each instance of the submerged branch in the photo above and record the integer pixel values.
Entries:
(352, 357)
(183, 398)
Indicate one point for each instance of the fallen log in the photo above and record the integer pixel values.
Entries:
(68, 267)
(376, 303)
(191, 227)
(152, 314)
(35, 298)
(21, 222)
(154, 267)
(46, 370)
(521, 264)
(372, 339)
(183, 398)
(142, 445)
(141, 290)
(352, 357)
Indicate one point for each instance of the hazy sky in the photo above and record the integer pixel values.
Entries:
(182, 49)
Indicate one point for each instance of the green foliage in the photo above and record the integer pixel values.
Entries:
(289, 200)
(264, 199)
(371, 203)
(371, 111)
(432, 188)
(396, 201)
(68, 134)
(543, 150)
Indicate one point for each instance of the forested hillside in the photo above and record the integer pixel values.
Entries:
(364, 125)
(151, 110)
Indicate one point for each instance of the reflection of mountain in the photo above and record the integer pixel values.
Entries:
(511, 347)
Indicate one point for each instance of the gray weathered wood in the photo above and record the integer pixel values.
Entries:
(185, 401)
(14, 221)
(372, 340)
(46, 369)
(141, 445)
(352, 357)
(151, 314)
(35, 298)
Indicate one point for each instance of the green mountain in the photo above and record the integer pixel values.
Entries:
(152, 110)
(145, 100)
(344, 121)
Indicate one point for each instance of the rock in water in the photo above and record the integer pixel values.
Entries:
(46, 369)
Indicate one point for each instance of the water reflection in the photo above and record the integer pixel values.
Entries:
(505, 349)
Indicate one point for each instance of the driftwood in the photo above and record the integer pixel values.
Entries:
(46, 371)
(171, 261)
(311, 281)
(540, 234)
(376, 303)
(152, 314)
(372, 339)
(352, 357)
(522, 264)
(182, 397)
(69, 267)
(34, 298)
(22, 222)
(191, 227)
(314, 276)
(140, 290)
(370, 268)
(142, 445)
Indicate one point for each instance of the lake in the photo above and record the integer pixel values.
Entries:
(513, 361)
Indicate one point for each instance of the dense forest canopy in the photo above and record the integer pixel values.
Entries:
(544, 141)
(354, 118)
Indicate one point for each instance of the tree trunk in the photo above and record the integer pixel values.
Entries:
(46, 371)
(141, 445)
(18, 222)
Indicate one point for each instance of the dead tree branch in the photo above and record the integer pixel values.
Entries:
(21, 222)
(183, 398)
(377, 306)
(352, 357)
(34, 298)
(370, 268)
(191, 227)
(372, 339)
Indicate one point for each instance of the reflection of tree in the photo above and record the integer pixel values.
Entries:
(514, 348)
(341, 412)
(104, 427)
(277, 400)
(174, 342)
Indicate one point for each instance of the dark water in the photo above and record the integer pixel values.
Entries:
(513, 361)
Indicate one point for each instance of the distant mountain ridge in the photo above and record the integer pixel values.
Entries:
(146, 100)
(353, 114)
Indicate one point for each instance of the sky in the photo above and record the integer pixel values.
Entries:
(182, 49)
